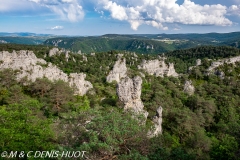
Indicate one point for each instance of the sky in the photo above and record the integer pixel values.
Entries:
(98, 17)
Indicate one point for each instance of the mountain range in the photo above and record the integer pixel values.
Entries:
(140, 43)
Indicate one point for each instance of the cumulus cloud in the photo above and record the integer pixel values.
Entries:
(57, 28)
(234, 10)
(68, 9)
(158, 13)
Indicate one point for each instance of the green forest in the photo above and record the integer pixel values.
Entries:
(144, 43)
(45, 115)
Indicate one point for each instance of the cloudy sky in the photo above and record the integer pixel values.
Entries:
(97, 17)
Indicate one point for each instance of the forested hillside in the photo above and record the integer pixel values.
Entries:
(144, 43)
(199, 121)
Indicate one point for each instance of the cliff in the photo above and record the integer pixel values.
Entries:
(119, 71)
(157, 120)
(158, 68)
(129, 93)
(31, 67)
(222, 61)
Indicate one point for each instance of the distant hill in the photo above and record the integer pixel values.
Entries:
(144, 43)
(139, 43)
(23, 34)
(24, 38)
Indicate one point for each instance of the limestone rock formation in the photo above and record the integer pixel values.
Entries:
(84, 58)
(157, 120)
(67, 55)
(158, 68)
(189, 88)
(56, 51)
(171, 71)
(119, 71)
(74, 60)
(198, 62)
(78, 80)
(31, 67)
(53, 52)
(221, 62)
(129, 93)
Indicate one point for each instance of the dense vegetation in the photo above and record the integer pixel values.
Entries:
(46, 115)
(144, 43)
(185, 58)
(105, 43)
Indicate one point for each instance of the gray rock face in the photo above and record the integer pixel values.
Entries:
(85, 58)
(189, 88)
(53, 52)
(221, 62)
(158, 68)
(67, 55)
(198, 62)
(157, 120)
(56, 51)
(119, 71)
(171, 71)
(32, 67)
(78, 80)
(129, 92)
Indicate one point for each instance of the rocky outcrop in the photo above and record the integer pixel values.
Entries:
(77, 80)
(119, 71)
(129, 93)
(171, 71)
(198, 63)
(31, 67)
(84, 58)
(56, 51)
(189, 88)
(158, 68)
(53, 52)
(157, 120)
(220, 74)
(67, 56)
(221, 62)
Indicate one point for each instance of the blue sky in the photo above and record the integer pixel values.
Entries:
(98, 17)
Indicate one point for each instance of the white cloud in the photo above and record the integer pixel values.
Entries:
(159, 13)
(117, 11)
(57, 28)
(69, 10)
(68, 1)
(234, 10)
(17, 6)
